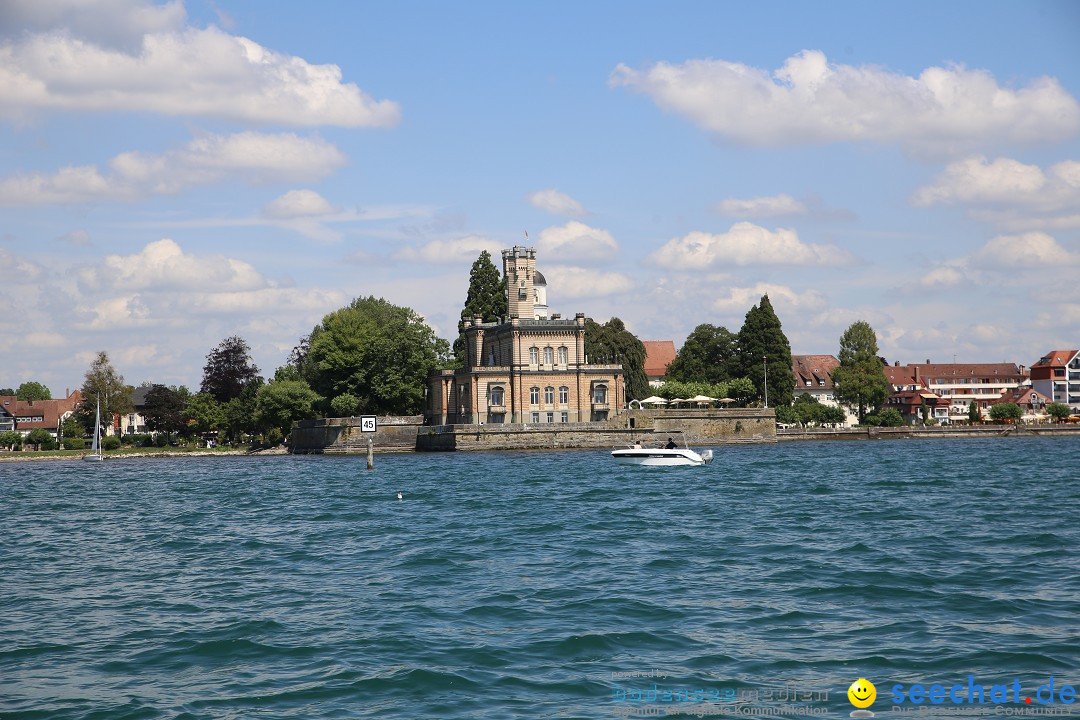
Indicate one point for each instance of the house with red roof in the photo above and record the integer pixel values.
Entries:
(813, 377)
(1056, 376)
(658, 355)
(32, 414)
(961, 384)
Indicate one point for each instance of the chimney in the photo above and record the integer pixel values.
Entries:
(927, 361)
(916, 374)
(896, 364)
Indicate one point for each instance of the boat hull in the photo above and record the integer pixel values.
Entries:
(661, 457)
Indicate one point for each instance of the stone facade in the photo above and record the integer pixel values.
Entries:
(527, 370)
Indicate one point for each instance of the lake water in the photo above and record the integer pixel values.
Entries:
(536, 585)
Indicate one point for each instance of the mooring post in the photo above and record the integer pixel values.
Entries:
(370, 455)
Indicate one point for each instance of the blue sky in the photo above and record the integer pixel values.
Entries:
(175, 173)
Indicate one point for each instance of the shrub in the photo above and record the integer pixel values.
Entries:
(161, 440)
(41, 438)
(890, 417)
(110, 442)
(274, 436)
(344, 405)
(74, 443)
(11, 439)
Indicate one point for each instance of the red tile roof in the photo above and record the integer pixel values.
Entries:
(1056, 358)
(814, 368)
(50, 411)
(658, 355)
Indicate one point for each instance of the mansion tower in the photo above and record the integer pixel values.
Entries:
(528, 368)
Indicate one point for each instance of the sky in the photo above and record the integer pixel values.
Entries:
(175, 173)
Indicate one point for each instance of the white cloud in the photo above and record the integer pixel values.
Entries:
(557, 203)
(1034, 249)
(298, 203)
(460, 251)
(576, 241)
(771, 206)
(250, 156)
(163, 266)
(1008, 193)
(568, 281)
(810, 100)
(181, 72)
(782, 298)
(120, 23)
(746, 244)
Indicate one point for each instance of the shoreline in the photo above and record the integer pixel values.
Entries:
(31, 456)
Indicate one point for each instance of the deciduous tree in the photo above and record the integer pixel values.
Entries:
(611, 343)
(204, 413)
(377, 351)
(33, 391)
(1001, 412)
(860, 381)
(1058, 411)
(164, 409)
(103, 383)
(228, 369)
(281, 403)
(707, 356)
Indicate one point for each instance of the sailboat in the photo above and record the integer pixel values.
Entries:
(95, 449)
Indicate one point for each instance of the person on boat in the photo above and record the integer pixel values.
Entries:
(637, 445)
(670, 444)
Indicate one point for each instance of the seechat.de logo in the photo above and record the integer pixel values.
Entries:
(862, 694)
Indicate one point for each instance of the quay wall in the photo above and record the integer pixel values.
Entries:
(342, 436)
(651, 427)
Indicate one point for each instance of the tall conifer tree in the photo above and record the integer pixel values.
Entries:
(762, 339)
(860, 382)
(486, 298)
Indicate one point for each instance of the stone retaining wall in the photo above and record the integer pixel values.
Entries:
(651, 427)
(343, 435)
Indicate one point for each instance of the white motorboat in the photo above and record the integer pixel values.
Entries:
(661, 456)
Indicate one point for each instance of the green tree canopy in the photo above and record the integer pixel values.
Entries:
(762, 337)
(240, 411)
(104, 383)
(344, 405)
(860, 381)
(486, 297)
(379, 352)
(974, 414)
(7, 391)
(890, 417)
(707, 356)
(164, 409)
(33, 391)
(228, 369)
(42, 438)
(1005, 411)
(1058, 411)
(204, 413)
(281, 403)
(9, 439)
(612, 344)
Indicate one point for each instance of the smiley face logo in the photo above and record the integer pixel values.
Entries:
(862, 693)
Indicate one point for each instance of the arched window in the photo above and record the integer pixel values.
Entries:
(562, 356)
(549, 395)
(547, 356)
(600, 394)
(534, 356)
(496, 396)
(564, 395)
(534, 396)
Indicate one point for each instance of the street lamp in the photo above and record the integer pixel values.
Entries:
(765, 360)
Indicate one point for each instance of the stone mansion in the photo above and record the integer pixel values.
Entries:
(529, 369)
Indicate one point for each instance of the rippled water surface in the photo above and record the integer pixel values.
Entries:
(517, 585)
